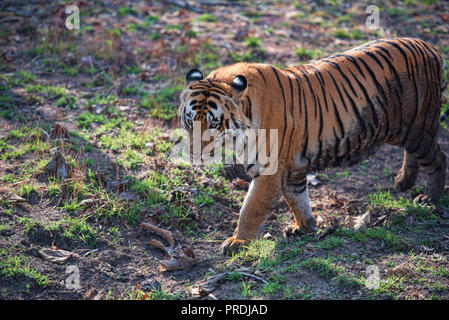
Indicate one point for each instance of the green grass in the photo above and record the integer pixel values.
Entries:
(386, 200)
(382, 234)
(16, 266)
(161, 103)
(331, 242)
(260, 250)
(60, 95)
(306, 54)
(253, 42)
(85, 119)
(206, 17)
(125, 11)
(37, 146)
(26, 189)
(326, 268)
(344, 34)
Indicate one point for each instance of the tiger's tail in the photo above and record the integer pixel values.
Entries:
(443, 88)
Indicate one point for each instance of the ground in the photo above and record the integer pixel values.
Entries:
(101, 101)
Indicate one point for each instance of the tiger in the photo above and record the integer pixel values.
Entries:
(332, 112)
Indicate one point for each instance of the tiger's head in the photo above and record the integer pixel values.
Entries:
(215, 104)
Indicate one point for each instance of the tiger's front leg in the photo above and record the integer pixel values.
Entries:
(296, 193)
(263, 192)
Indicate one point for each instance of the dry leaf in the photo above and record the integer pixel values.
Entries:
(358, 222)
(56, 255)
(16, 199)
(57, 167)
(181, 258)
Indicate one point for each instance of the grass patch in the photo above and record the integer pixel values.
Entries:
(206, 17)
(161, 103)
(12, 267)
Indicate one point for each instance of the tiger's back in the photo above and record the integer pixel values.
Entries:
(385, 91)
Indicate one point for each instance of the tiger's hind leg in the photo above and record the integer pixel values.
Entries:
(297, 196)
(406, 177)
(434, 164)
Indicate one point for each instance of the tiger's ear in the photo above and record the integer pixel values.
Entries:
(239, 83)
(194, 75)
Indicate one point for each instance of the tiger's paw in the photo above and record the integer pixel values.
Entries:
(293, 230)
(422, 199)
(231, 245)
(297, 230)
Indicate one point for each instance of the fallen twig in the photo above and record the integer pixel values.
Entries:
(167, 235)
(253, 276)
(212, 283)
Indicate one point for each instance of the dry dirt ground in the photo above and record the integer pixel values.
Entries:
(86, 118)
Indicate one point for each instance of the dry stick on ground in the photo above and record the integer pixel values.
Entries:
(167, 235)
(212, 283)
(252, 276)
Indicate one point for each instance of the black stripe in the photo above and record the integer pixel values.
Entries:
(404, 55)
(337, 116)
(301, 183)
(374, 57)
(413, 54)
(212, 104)
(438, 60)
(354, 62)
(316, 163)
(250, 109)
(433, 73)
(336, 148)
(298, 82)
(301, 190)
(320, 76)
(285, 106)
(367, 98)
(356, 113)
(292, 115)
(393, 69)
(421, 53)
(342, 74)
(385, 50)
(415, 111)
(311, 91)
(321, 80)
(374, 79)
(305, 145)
(215, 89)
(339, 92)
(387, 118)
(348, 149)
(261, 74)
